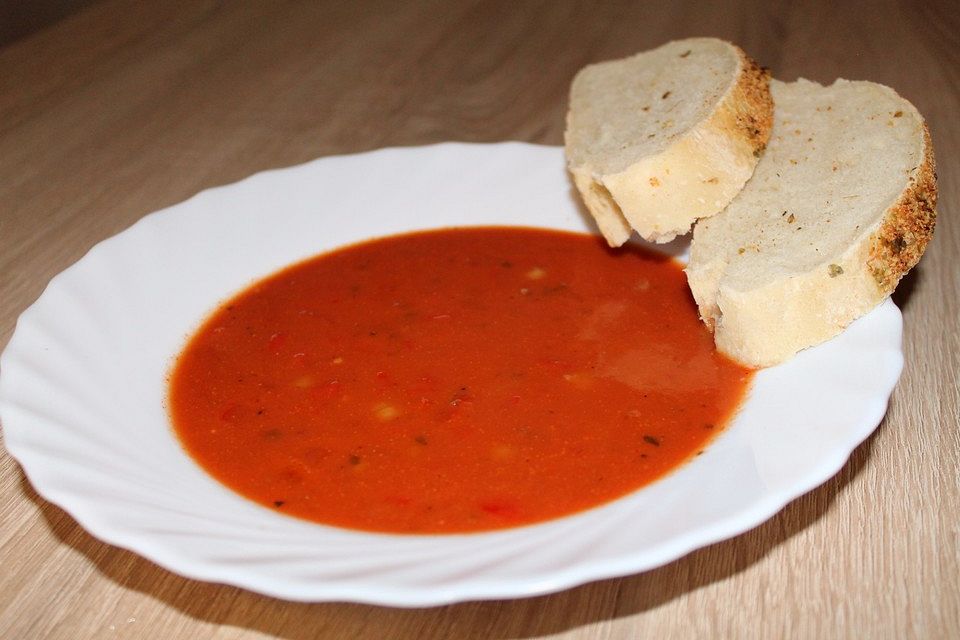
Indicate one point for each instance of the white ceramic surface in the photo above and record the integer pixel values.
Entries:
(82, 386)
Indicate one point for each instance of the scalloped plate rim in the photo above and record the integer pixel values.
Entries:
(469, 589)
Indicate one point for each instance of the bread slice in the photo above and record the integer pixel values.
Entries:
(840, 207)
(657, 140)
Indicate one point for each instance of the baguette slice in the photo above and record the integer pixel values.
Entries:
(657, 140)
(841, 206)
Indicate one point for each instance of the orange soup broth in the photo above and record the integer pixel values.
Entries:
(454, 381)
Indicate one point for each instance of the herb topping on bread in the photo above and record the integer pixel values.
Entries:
(665, 137)
(840, 207)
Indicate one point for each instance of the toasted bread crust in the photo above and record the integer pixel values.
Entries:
(661, 195)
(746, 112)
(763, 309)
(908, 226)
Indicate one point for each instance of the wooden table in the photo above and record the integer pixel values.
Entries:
(128, 106)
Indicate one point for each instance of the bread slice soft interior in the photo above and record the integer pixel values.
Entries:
(662, 138)
(840, 207)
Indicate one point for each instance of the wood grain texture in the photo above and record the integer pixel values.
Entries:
(126, 107)
(19, 19)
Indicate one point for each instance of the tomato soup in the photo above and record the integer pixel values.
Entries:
(453, 381)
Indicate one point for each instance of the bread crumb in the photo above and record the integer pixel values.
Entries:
(654, 182)
(835, 270)
(712, 180)
(791, 218)
(898, 114)
(665, 95)
(686, 53)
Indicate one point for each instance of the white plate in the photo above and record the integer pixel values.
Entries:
(82, 387)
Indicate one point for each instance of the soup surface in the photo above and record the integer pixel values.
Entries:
(453, 381)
